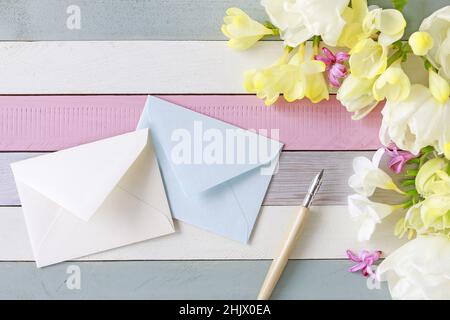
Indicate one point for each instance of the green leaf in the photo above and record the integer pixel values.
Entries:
(399, 4)
(427, 149)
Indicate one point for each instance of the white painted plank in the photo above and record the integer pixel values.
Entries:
(328, 233)
(128, 67)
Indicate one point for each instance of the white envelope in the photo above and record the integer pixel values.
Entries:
(93, 197)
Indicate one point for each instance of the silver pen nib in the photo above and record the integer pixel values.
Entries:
(313, 189)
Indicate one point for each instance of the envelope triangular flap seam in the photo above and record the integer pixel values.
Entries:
(163, 118)
(67, 176)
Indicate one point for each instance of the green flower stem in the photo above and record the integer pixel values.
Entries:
(413, 195)
(408, 183)
(428, 66)
(414, 161)
(424, 158)
(412, 192)
(316, 44)
(408, 204)
(398, 55)
(275, 30)
(403, 50)
(412, 172)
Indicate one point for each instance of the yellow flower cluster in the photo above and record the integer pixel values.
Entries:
(375, 63)
(432, 214)
(374, 76)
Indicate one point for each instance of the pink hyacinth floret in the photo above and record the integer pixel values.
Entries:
(398, 158)
(365, 259)
(335, 65)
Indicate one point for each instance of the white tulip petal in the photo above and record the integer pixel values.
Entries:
(420, 269)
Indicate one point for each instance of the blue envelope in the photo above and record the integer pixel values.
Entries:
(216, 175)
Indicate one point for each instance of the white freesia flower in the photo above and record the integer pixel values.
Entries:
(368, 176)
(438, 26)
(420, 269)
(300, 20)
(356, 95)
(416, 122)
(439, 87)
(368, 214)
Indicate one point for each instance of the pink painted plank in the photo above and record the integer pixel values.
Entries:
(48, 123)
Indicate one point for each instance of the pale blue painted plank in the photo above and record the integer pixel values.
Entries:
(144, 19)
(306, 279)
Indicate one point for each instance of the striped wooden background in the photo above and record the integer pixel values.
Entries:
(52, 95)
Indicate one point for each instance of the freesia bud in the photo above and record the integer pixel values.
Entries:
(421, 43)
(242, 31)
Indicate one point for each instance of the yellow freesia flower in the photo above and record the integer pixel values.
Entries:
(368, 59)
(353, 31)
(421, 43)
(317, 87)
(439, 87)
(242, 30)
(393, 84)
(430, 217)
(435, 213)
(389, 22)
(270, 82)
(432, 178)
(295, 78)
(362, 23)
(308, 79)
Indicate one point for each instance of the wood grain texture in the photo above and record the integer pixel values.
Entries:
(49, 123)
(145, 19)
(227, 280)
(130, 67)
(288, 186)
(8, 191)
(327, 235)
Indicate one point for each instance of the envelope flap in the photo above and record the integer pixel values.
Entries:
(79, 179)
(204, 152)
